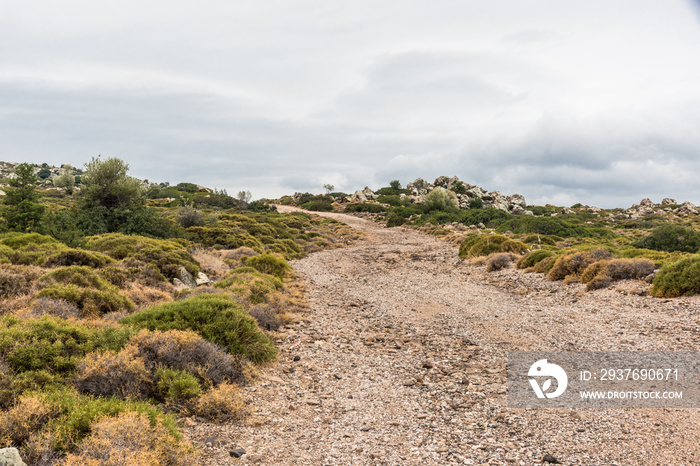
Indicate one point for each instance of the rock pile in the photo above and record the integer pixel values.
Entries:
(466, 194)
(667, 206)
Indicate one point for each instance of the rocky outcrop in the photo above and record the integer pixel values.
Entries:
(10, 457)
(364, 195)
(668, 206)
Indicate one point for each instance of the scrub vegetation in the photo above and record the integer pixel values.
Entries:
(100, 351)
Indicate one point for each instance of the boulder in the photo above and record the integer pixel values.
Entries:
(687, 208)
(646, 202)
(668, 201)
(179, 286)
(369, 194)
(497, 200)
(419, 187)
(517, 200)
(358, 196)
(201, 279)
(186, 278)
(10, 457)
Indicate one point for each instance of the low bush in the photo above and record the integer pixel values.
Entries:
(29, 415)
(266, 317)
(218, 319)
(176, 386)
(543, 266)
(83, 287)
(130, 438)
(250, 284)
(109, 373)
(222, 404)
(54, 307)
(16, 280)
(575, 263)
(671, 237)
(484, 245)
(441, 199)
(166, 255)
(498, 261)
(269, 264)
(188, 351)
(365, 207)
(532, 258)
(678, 279)
(602, 273)
(54, 344)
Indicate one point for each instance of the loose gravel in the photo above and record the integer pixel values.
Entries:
(401, 359)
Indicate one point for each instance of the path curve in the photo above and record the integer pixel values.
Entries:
(401, 360)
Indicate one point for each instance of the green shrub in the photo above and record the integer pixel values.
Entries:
(167, 255)
(76, 415)
(559, 226)
(176, 385)
(670, 237)
(81, 286)
(547, 240)
(78, 257)
(218, 319)
(678, 279)
(16, 280)
(18, 240)
(484, 245)
(269, 264)
(476, 203)
(365, 207)
(441, 199)
(250, 284)
(532, 258)
(54, 344)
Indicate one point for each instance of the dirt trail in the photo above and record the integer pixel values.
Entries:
(402, 360)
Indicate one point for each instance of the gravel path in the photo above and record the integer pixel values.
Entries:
(402, 357)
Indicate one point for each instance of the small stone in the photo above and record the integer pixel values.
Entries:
(550, 459)
(297, 358)
(428, 365)
(237, 453)
(337, 377)
(10, 457)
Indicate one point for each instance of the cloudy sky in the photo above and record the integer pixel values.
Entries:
(562, 101)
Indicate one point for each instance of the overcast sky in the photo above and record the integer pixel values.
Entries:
(562, 101)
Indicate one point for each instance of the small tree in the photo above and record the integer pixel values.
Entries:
(441, 199)
(244, 198)
(65, 179)
(329, 188)
(22, 210)
(395, 185)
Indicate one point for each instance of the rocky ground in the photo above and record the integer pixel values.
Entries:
(402, 358)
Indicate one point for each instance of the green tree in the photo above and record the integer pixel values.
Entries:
(22, 210)
(329, 188)
(395, 185)
(112, 201)
(441, 199)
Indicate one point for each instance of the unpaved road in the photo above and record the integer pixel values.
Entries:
(402, 360)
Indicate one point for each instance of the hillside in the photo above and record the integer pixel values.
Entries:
(146, 323)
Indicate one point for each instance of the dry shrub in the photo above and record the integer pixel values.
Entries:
(602, 273)
(267, 317)
(144, 296)
(29, 415)
(144, 273)
(54, 307)
(187, 351)
(12, 305)
(497, 262)
(38, 450)
(221, 404)
(121, 374)
(129, 438)
(237, 256)
(16, 280)
(211, 265)
(575, 263)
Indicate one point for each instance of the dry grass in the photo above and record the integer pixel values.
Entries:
(144, 296)
(121, 374)
(27, 416)
(222, 404)
(129, 439)
(576, 263)
(54, 307)
(211, 265)
(603, 273)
